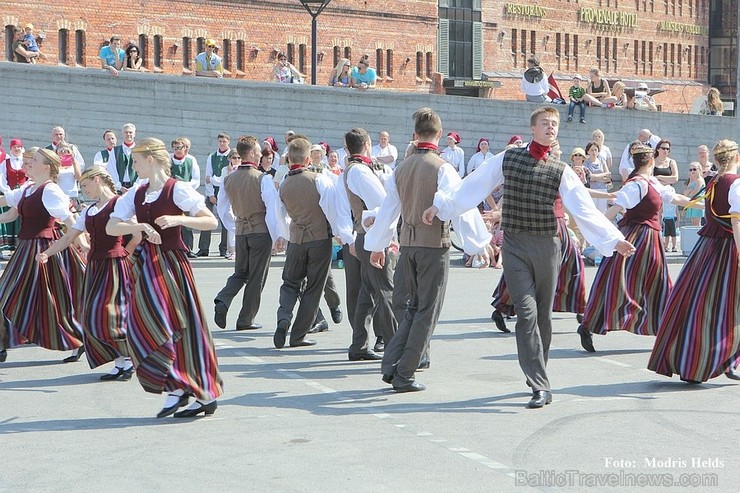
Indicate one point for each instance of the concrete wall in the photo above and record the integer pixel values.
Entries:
(35, 98)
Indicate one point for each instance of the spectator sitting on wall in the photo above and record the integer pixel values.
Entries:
(534, 83)
(207, 63)
(643, 101)
(713, 104)
(284, 71)
(111, 56)
(20, 53)
(132, 60)
(598, 88)
(618, 99)
(363, 77)
(576, 93)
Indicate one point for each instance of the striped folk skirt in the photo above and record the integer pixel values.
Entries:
(570, 291)
(699, 334)
(630, 293)
(167, 332)
(105, 309)
(38, 300)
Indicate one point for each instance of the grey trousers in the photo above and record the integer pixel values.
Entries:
(310, 262)
(331, 296)
(204, 241)
(531, 264)
(374, 298)
(253, 252)
(426, 271)
(353, 281)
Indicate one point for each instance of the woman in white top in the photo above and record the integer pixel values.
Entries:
(598, 175)
(605, 154)
(69, 173)
(482, 153)
(453, 154)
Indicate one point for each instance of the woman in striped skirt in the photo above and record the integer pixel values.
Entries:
(12, 176)
(104, 309)
(167, 332)
(630, 293)
(699, 333)
(37, 300)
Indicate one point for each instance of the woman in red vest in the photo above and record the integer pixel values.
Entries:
(37, 300)
(168, 335)
(12, 176)
(104, 311)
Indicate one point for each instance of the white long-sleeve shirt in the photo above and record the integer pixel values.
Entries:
(183, 195)
(595, 227)
(475, 161)
(55, 201)
(456, 157)
(211, 180)
(275, 217)
(634, 191)
(195, 170)
(469, 225)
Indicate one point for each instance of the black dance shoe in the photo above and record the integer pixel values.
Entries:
(579, 318)
(166, 411)
(691, 382)
(336, 315)
(411, 387)
(732, 375)
(368, 355)
(321, 326)
(586, 340)
(220, 311)
(280, 333)
(498, 319)
(75, 356)
(121, 374)
(3, 355)
(379, 345)
(207, 409)
(387, 378)
(540, 399)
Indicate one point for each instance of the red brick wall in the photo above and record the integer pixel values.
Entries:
(265, 25)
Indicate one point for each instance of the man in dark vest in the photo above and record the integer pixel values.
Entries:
(103, 156)
(310, 201)
(365, 191)
(533, 178)
(184, 167)
(120, 164)
(425, 255)
(215, 164)
(260, 223)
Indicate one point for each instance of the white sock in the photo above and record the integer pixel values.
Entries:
(119, 361)
(127, 364)
(199, 403)
(173, 397)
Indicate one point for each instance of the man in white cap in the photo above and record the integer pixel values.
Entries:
(207, 63)
(643, 100)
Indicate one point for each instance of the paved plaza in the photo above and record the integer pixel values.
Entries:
(307, 419)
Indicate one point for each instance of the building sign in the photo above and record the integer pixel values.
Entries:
(526, 10)
(683, 28)
(607, 18)
(481, 83)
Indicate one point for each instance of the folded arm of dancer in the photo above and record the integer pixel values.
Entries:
(595, 227)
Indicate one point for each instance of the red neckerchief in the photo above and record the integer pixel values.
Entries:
(296, 166)
(108, 149)
(428, 146)
(129, 145)
(248, 164)
(361, 158)
(538, 151)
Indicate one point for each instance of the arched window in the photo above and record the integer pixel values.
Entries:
(63, 46)
(157, 51)
(226, 55)
(80, 47)
(9, 35)
(186, 51)
(144, 50)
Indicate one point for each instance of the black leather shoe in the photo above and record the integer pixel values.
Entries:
(424, 365)
(336, 315)
(692, 382)
(280, 333)
(207, 409)
(220, 311)
(192, 255)
(579, 318)
(322, 326)
(303, 343)
(411, 387)
(166, 411)
(368, 356)
(732, 375)
(202, 253)
(387, 378)
(108, 377)
(75, 356)
(586, 340)
(379, 345)
(540, 399)
(498, 319)
(249, 327)
(127, 374)
(3, 355)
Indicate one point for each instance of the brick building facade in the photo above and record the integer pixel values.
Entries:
(452, 46)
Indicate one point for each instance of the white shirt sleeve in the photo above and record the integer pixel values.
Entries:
(79, 224)
(12, 197)
(225, 213)
(275, 214)
(625, 162)
(594, 225)
(341, 225)
(209, 177)
(4, 187)
(195, 176)
(125, 208)
(187, 198)
(471, 191)
(630, 194)
(362, 182)
(734, 197)
(380, 235)
(56, 202)
(78, 157)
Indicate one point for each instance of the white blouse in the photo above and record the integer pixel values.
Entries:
(67, 181)
(734, 197)
(184, 196)
(55, 201)
(634, 191)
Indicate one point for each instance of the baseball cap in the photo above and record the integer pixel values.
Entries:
(642, 86)
(210, 42)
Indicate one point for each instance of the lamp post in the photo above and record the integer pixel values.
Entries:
(314, 8)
